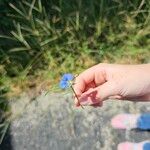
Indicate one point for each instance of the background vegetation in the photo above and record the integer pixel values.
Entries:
(42, 39)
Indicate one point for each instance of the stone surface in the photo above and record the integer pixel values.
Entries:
(52, 122)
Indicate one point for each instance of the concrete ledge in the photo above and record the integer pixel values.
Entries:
(52, 122)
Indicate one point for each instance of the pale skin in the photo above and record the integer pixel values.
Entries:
(113, 81)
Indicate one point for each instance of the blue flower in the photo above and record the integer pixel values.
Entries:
(64, 83)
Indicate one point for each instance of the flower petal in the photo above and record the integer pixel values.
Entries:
(67, 77)
(64, 83)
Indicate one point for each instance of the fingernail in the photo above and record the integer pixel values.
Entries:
(77, 104)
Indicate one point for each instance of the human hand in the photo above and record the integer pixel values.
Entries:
(112, 81)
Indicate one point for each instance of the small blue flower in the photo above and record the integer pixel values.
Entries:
(64, 83)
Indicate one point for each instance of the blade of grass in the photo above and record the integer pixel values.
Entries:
(40, 6)
(48, 41)
(17, 10)
(31, 8)
(18, 49)
(4, 132)
(7, 37)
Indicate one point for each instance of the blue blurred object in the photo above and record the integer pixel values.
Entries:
(64, 83)
(143, 121)
(146, 146)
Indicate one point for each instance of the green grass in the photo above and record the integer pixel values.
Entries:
(42, 39)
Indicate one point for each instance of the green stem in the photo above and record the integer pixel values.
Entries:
(76, 96)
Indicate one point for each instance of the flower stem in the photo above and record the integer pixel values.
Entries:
(76, 96)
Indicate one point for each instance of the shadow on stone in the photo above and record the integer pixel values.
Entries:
(5, 136)
(142, 130)
(7, 144)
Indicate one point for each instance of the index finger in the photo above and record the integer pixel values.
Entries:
(94, 74)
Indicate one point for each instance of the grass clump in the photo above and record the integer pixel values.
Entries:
(47, 34)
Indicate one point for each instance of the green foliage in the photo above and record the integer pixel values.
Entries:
(4, 108)
(44, 29)
(53, 29)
